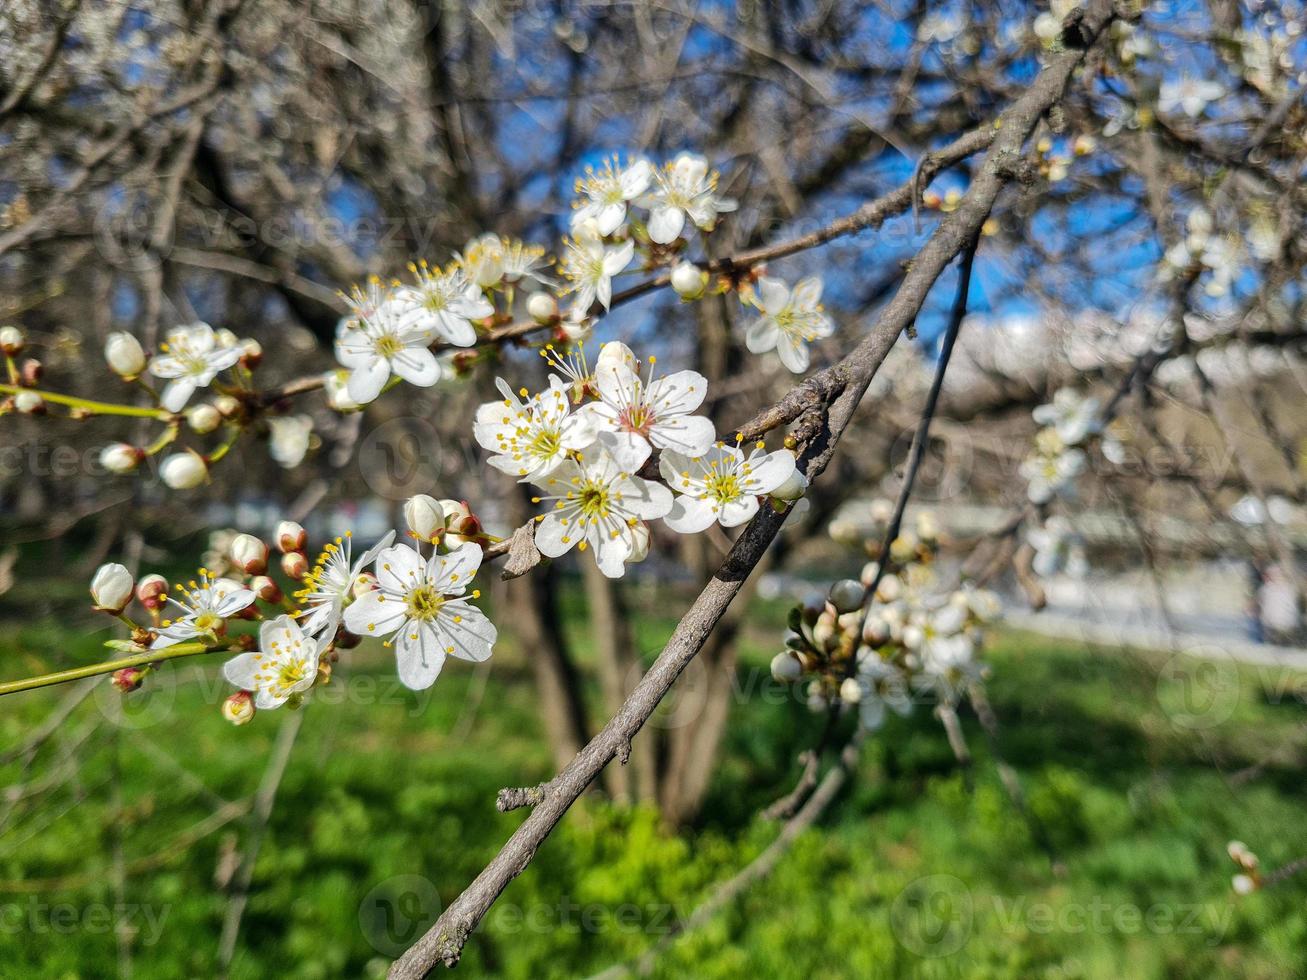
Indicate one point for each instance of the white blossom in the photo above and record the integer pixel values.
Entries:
(790, 321)
(533, 436)
(445, 303)
(205, 607)
(1190, 93)
(192, 358)
(482, 259)
(422, 606)
(721, 485)
(331, 582)
(882, 685)
(683, 187)
(1071, 415)
(604, 194)
(635, 415)
(599, 505)
(380, 339)
(284, 665)
(288, 439)
(589, 266)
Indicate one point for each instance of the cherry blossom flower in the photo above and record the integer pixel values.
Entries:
(1051, 472)
(1073, 417)
(522, 261)
(192, 357)
(1189, 93)
(421, 605)
(791, 320)
(445, 303)
(285, 665)
(331, 582)
(288, 439)
(721, 485)
(382, 339)
(882, 685)
(482, 259)
(531, 437)
(205, 609)
(603, 194)
(683, 187)
(635, 415)
(589, 266)
(597, 504)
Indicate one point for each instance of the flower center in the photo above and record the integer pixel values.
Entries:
(545, 443)
(388, 345)
(636, 419)
(424, 603)
(594, 501)
(290, 674)
(723, 487)
(206, 621)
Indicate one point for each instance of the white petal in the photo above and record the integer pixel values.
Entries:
(178, 393)
(365, 382)
(690, 515)
(691, 435)
(628, 450)
(418, 366)
(240, 671)
(418, 656)
(643, 498)
(472, 638)
(451, 573)
(775, 295)
(399, 569)
(550, 534)
(679, 393)
(762, 335)
(793, 352)
(737, 512)
(665, 224)
(371, 614)
(768, 472)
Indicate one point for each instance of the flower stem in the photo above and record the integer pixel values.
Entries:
(104, 667)
(88, 405)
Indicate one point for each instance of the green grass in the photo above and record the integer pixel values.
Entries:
(911, 873)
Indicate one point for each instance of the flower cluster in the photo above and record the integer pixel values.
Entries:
(1068, 420)
(1249, 878)
(882, 650)
(586, 439)
(420, 605)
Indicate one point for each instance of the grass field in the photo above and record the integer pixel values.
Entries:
(1135, 776)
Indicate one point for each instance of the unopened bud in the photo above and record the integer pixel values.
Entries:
(239, 708)
(204, 418)
(424, 516)
(542, 307)
(851, 691)
(222, 337)
(265, 588)
(253, 353)
(12, 341)
(111, 588)
(249, 554)
(229, 406)
(291, 537)
(793, 488)
(846, 595)
(689, 281)
(184, 471)
(786, 667)
(460, 522)
(640, 538)
(295, 565)
(152, 591)
(128, 678)
(29, 403)
(124, 354)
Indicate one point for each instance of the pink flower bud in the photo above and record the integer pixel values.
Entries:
(128, 679)
(291, 537)
(152, 591)
(249, 554)
(295, 565)
(239, 708)
(265, 588)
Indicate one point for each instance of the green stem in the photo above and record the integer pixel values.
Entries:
(104, 667)
(88, 405)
